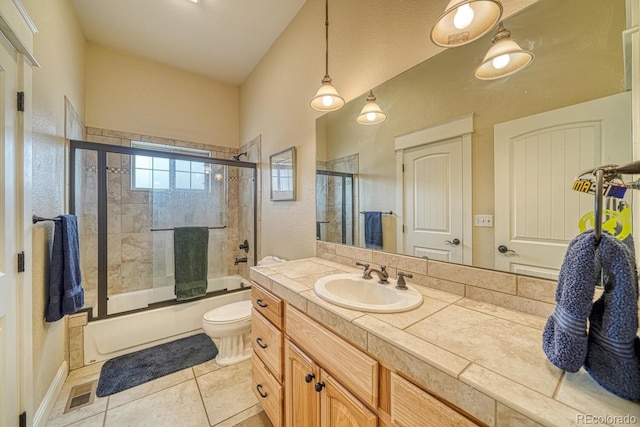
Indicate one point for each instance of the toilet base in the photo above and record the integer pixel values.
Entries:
(234, 349)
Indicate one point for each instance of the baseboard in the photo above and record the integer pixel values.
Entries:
(46, 406)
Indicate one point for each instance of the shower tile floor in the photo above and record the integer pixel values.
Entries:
(202, 396)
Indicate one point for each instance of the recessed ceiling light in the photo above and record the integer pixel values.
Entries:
(194, 1)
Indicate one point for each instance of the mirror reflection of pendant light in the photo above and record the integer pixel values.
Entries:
(371, 113)
(504, 58)
(464, 21)
(327, 98)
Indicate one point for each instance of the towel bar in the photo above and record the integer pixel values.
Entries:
(171, 229)
(35, 219)
(383, 213)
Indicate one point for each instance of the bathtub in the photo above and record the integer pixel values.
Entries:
(108, 338)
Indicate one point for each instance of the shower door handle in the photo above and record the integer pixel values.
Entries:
(260, 343)
(262, 394)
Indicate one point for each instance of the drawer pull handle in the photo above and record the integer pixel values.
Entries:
(260, 343)
(319, 386)
(259, 388)
(309, 377)
(261, 304)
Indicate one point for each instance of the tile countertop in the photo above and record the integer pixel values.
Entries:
(485, 359)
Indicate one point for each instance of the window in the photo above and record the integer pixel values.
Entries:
(157, 173)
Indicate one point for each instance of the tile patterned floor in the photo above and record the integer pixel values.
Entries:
(202, 396)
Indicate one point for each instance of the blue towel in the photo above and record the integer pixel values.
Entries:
(66, 295)
(564, 339)
(613, 357)
(373, 230)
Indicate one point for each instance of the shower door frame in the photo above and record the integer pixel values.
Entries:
(343, 175)
(101, 151)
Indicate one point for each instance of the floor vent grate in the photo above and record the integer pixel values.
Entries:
(81, 395)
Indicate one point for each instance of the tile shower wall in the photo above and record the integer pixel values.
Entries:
(132, 265)
(329, 199)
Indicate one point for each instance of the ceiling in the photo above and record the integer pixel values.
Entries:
(220, 39)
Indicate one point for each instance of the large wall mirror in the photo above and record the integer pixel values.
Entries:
(463, 167)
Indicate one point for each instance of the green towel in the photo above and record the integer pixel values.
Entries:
(190, 247)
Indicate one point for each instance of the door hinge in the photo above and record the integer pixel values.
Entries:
(21, 262)
(403, 228)
(403, 168)
(23, 419)
(20, 101)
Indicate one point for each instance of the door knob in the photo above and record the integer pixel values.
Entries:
(505, 250)
(454, 242)
(309, 377)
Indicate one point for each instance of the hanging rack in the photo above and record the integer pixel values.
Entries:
(36, 219)
(630, 169)
(383, 213)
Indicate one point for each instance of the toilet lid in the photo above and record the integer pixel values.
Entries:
(229, 313)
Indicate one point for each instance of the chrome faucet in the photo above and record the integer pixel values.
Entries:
(382, 274)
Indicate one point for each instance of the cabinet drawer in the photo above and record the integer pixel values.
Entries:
(267, 304)
(353, 368)
(269, 392)
(266, 342)
(411, 406)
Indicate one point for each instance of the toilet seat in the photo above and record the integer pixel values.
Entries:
(229, 313)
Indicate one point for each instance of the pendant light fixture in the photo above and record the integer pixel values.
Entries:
(371, 113)
(464, 21)
(504, 58)
(327, 98)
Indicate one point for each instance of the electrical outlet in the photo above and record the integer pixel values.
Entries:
(484, 220)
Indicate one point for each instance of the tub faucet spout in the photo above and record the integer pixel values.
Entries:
(239, 260)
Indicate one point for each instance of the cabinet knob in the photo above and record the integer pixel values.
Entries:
(260, 343)
(262, 394)
(309, 377)
(261, 304)
(319, 386)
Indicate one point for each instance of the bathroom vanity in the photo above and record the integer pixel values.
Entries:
(453, 361)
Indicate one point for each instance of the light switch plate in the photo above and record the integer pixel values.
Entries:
(483, 220)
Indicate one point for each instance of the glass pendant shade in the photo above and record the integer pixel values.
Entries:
(371, 113)
(504, 58)
(327, 98)
(464, 21)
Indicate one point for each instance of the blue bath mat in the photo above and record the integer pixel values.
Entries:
(130, 370)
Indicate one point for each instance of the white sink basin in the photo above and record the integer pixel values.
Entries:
(352, 291)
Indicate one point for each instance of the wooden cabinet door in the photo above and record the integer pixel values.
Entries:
(339, 408)
(302, 402)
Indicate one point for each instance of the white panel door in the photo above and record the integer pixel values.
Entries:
(537, 159)
(9, 362)
(433, 201)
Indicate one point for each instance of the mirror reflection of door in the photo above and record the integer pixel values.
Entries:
(433, 202)
(537, 159)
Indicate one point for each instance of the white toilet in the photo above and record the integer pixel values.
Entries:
(231, 325)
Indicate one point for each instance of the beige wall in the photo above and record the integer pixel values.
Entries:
(369, 42)
(59, 47)
(131, 94)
